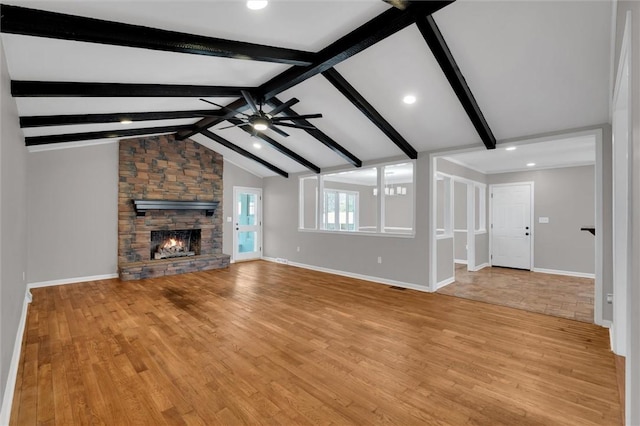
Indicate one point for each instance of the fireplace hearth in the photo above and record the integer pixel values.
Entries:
(177, 243)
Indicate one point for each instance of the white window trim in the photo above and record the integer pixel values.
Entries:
(380, 228)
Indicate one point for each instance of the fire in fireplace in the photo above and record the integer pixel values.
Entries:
(180, 243)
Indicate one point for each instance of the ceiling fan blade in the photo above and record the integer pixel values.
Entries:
(280, 132)
(277, 110)
(295, 126)
(297, 117)
(250, 102)
(224, 107)
(235, 125)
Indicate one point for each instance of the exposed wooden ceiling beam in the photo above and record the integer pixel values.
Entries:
(31, 22)
(222, 141)
(437, 44)
(75, 137)
(369, 111)
(382, 26)
(65, 120)
(319, 135)
(20, 88)
(277, 146)
(368, 34)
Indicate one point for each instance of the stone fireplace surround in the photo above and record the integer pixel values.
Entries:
(162, 168)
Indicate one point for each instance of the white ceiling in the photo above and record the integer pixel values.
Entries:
(561, 152)
(534, 67)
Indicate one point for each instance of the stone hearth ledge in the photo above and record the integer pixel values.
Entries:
(173, 266)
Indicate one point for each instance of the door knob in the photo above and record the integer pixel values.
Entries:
(526, 233)
(526, 227)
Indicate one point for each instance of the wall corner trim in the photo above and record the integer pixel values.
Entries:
(7, 401)
(71, 281)
(481, 266)
(370, 278)
(445, 282)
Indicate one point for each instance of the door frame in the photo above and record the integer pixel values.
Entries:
(236, 190)
(531, 219)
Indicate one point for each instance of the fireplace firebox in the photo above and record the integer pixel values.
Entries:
(176, 243)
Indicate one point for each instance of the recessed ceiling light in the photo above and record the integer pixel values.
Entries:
(256, 145)
(257, 4)
(126, 121)
(511, 148)
(409, 99)
(531, 164)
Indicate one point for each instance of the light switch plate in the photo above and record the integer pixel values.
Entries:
(543, 219)
(229, 219)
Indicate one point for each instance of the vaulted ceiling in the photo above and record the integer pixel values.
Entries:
(480, 71)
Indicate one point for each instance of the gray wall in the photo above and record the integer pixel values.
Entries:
(482, 248)
(233, 175)
(567, 197)
(403, 259)
(73, 205)
(633, 348)
(445, 267)
(13, 223)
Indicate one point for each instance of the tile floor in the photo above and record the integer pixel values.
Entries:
(557, 295)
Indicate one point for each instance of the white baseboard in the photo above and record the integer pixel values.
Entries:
(7, 400)
(71, 280)
(481, 266)
(445, 282)
(460, 261)
(566, 273)
(370, 278)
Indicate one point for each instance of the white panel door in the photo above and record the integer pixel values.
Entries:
(511, 226)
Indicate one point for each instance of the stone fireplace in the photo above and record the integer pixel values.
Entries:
(169, 208)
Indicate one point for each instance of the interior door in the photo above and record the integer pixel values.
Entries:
(247, 221)
(511, 231)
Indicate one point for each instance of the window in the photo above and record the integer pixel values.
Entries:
(398, 198)
(349, 202)
(340, 210)
(377, 199)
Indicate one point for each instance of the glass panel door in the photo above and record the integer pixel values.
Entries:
(247, 223)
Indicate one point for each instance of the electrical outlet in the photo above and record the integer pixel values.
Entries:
(24, 276)
(609, 298)
(379, 259)
(298, 248)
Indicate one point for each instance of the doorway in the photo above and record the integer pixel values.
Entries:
(511, 225)
(247, 223)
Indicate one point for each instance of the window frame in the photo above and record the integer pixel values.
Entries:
(380, 231)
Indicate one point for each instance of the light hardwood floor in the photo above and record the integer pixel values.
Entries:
(268, 343)
(558, 295)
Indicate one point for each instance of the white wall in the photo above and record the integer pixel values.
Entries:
(13, 229)
(233, 175)
(73, 212)
(633, 294)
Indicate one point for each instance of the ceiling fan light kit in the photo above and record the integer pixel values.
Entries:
(261, 120)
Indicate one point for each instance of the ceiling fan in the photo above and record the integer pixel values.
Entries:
(260, 120)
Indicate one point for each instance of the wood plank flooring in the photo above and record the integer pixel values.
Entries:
(558, 295)
(264, 343)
